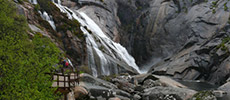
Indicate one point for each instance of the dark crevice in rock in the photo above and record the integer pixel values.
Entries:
(177, 2)
(206, 22)
(198, 2)
(88, 3)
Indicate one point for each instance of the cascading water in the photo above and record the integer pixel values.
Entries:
(104, 47)
(45, 15)
(63, 9)
(48, 18)
(111, 48)
(104, 55)
(33, 1)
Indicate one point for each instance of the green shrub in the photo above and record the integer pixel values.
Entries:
(48, 6)
(85, 69)
(23, 63)
(225, 6)
(213, 11)
(203, 95)
(108, 78)
(37, 7)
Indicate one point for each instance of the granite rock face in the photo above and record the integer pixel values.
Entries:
(126, 89)
(186, 39)
(178, 38)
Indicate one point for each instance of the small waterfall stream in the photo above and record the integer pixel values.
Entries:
(48, 18)
(105, 57)
(104, 47)
(33, 1)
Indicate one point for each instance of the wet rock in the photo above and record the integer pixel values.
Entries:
(156, 80)
(89, 81)
(167, 81)
(221, 73)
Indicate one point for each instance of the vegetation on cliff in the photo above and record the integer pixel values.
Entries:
(23, 60)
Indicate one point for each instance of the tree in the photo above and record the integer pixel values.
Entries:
(24, 61)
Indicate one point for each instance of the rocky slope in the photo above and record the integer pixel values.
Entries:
(188, 39)
(185, 39)
(66, 34)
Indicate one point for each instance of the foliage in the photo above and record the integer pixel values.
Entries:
(225, 6)
(203, 95)
(24, 62)
(214, 6)
(85, 69)
(48, 6)
(21, 1)
(63, 24)
(108, 78)
(222, 44)
(37, 7)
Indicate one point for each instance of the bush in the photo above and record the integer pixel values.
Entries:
(48, 6)
(85, 69)
(23, 63)
(225, 6)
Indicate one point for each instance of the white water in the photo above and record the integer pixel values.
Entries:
(48, 18)
(118, 50)
(33, 1)
(45, 15)
(63, 9)
(101, 49)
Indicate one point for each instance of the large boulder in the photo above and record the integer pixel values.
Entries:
(156, 93)
(226, 88)
(100, 89)
(80, 92)
(157, 80)
(182, 35)
(208, 61)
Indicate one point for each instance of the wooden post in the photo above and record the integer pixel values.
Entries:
(57, 80)
(65, 96)
(74, 78)
(69, 80)
(64, 81)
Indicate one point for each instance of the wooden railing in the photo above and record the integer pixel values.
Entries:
(65, 80)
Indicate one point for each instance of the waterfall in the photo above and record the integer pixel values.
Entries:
(104, 55)
(63, 9)
(33, 1)
(48, 18)
(45, 15)
(104, 46)
(117, 51)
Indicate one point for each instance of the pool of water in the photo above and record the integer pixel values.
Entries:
(197, 85)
